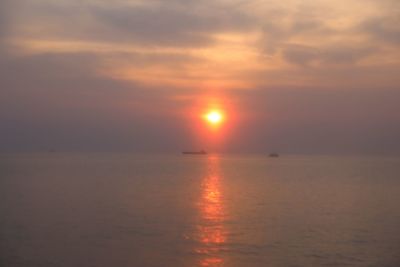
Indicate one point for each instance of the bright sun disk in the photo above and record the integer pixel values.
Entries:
(214, 117)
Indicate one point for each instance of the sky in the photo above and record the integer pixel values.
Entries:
(293, 76)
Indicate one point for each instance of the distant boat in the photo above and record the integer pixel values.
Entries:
(274, 155)
(201, 152)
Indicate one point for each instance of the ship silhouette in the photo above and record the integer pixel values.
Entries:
(201, 152)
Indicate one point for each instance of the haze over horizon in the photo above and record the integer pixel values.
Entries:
(293, 76)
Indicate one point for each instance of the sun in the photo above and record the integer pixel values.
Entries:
(214, 117)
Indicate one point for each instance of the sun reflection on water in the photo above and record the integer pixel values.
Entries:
(211, 232)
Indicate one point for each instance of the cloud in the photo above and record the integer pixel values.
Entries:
(215, 43)
(160, 24)
(283, 25)
(382, 29)
(333, 54)
(299, 54)
(171, 25)
(7, 8)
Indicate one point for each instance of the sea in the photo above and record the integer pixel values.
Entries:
(127, 210)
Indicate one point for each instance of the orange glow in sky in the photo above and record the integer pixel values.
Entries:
(212, 120)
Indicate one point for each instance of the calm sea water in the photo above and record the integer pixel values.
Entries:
(94, 210)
